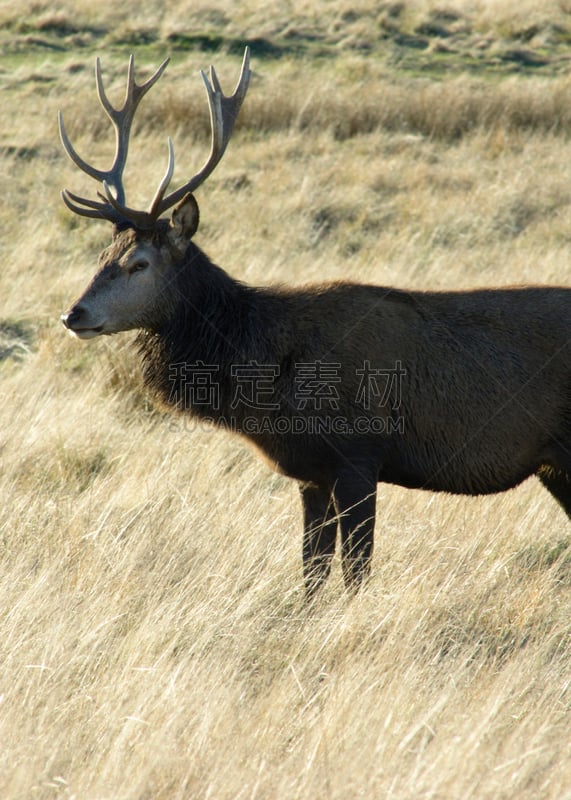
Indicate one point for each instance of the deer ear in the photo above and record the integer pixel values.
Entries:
(184, 221)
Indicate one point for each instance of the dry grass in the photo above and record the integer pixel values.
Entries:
(153, 638)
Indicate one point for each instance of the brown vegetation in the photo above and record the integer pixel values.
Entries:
(152, 637)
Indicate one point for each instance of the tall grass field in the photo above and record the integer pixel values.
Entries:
(154, 640)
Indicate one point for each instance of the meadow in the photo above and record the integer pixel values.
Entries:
(154, 641)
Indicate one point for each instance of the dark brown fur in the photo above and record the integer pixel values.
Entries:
(485, 401)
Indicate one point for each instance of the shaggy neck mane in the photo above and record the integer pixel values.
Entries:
(211, 320)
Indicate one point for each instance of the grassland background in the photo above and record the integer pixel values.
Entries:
(153, 639)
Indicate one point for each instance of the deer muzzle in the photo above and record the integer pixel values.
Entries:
(77, 323)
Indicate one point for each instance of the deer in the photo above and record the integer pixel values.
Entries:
(339, 386)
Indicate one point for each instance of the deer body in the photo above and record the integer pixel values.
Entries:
(476, 377)
(484, 379)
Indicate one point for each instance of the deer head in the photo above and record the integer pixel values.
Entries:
(127, 291)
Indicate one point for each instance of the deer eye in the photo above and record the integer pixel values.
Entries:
(137, 266)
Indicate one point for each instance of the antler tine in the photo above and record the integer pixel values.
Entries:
(101, 94)
(89, 208)
(223, 113)
(163, 185)
(98, 174)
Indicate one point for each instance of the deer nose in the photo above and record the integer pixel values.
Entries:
(71, 318)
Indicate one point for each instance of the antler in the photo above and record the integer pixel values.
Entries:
(223, 113)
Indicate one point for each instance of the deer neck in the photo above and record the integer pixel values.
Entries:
(211, 321)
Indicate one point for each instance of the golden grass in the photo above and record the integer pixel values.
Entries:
(153, 638)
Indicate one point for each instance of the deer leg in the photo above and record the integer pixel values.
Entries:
(355, 498)
(559, 484)
(319, 532)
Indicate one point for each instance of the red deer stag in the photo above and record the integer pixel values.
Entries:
(339, 386)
